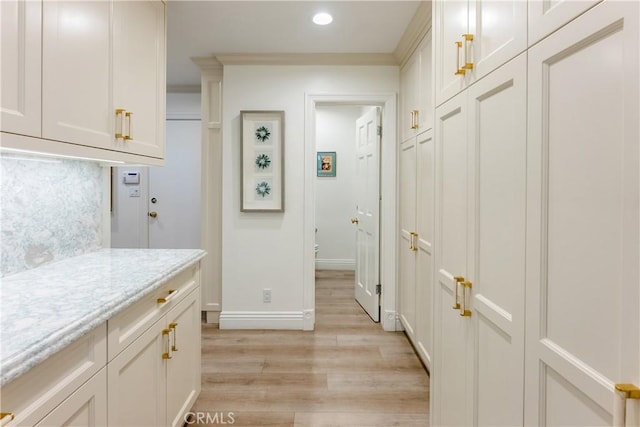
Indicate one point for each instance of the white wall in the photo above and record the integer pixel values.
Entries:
(335, 196)
(129, 226)
(266, 250)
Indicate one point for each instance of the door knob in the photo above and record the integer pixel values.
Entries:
(153, 214)
(355, 221)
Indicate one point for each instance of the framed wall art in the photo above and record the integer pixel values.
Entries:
(326, 163)
(262, 154)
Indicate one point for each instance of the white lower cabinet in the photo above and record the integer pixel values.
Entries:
(416, 242)
(156, 379)
(87, 406)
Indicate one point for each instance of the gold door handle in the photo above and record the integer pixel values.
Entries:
(6, 417)
(172, 326)
(119, 123)
(414, 242)
(459, 71)
(153, 214)
(464, 312)
(128, 116)
(414, 119)
(167, 354)
(355, 221)
(457, 280)
(172, 293)
(467, 38)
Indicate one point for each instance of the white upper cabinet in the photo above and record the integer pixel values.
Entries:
(547, 16)
(416, 91)
(76, 73)
(21, 23)
(139, 75)
(102, 68)
(473, 38)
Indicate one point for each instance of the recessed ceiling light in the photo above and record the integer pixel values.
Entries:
(322, 18)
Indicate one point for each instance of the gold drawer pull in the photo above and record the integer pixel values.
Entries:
(172, 326)
(459, 70)
(119, 123)
(169, 297)
(167, 355)
(6, 417)
(457, 280)
(463, 310)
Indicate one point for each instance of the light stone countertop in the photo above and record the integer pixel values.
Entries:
(45, 309)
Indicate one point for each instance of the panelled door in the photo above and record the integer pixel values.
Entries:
(406, 252)
(583, 290)
(451, 398)
(498, 137)
(368, 212)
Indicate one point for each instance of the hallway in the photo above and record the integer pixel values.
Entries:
(347, 372)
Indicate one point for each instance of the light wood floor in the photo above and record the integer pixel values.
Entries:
(347, 372)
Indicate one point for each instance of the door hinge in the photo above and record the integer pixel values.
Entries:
(379, 130)
(378, 289)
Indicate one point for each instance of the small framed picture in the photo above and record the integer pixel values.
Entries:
(262, 152)
(326, 163)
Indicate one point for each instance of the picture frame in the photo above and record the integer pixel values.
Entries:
(262, 161)
(326, 164)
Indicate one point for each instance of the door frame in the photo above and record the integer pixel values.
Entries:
(388, 206)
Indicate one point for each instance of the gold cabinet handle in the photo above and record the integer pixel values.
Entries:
(355, 221)
(459, 71)
(6, 417)
(456, 303)
(414, 241)
(167, 354)
(119, 123)
(172, 326)
(623, 393)
(128, 116)
(414, 119)
(463, 309)
(468, 38)
(172, 293)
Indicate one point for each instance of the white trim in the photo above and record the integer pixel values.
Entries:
(416, 30)
(307, 59)
(335, 264)
(388, 233)
(262, 320)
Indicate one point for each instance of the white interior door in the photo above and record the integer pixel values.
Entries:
(583, 291)
(174, 189)
(406, 251)
(368, 212)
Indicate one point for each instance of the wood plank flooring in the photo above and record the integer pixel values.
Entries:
(348, 372)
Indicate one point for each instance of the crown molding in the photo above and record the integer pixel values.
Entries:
(208, 64)
(416, 30)
(307, 59)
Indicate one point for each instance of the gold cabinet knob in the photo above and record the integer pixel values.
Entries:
(153, 214)
(355, 221)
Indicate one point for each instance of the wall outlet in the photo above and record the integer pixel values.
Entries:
(266, 295)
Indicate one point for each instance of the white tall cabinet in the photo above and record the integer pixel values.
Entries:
(416, 154)
(537, 227)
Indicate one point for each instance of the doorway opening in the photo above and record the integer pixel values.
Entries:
(330, 209)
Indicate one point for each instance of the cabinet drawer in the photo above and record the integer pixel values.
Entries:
(128, 325)
(33, 395)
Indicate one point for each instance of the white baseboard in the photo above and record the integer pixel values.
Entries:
(262, 320)
(335, 264)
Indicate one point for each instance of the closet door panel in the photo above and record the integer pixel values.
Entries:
(547, 16)
(450, 22)
(583, 326)
(407, 291)
(498, 129)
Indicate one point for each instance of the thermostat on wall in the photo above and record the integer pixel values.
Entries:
(132, 177)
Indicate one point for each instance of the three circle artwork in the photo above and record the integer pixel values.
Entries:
(263, 189)
(263, 161)
(262, 134)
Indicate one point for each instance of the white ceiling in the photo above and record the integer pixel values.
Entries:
(205, 28)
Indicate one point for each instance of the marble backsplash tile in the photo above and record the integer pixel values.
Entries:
(50, 209)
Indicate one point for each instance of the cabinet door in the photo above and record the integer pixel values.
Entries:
(425, 201)
(137, 381)
(87, 406)
(21, 66)
(499, 29)
(409, 82)
(449, 23)
(583, 323)
(76, 72)
(497, 128)
(139, 74)
(452, 370)
(407, 288)
(425, 100)
(547, 16)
